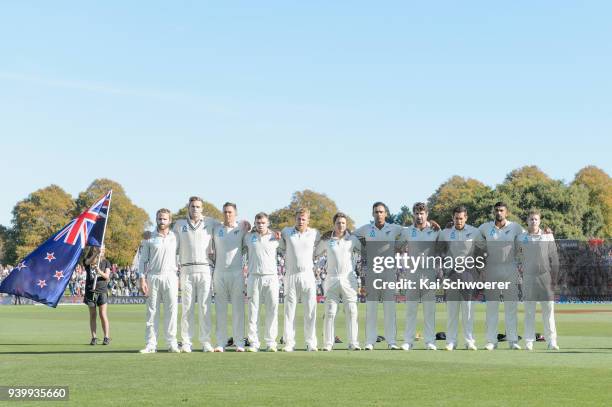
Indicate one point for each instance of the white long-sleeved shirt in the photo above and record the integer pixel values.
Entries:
(261, 252)
(501, 242)
(158, 254)
(339, 253)
(460, 243)
(299, 249)
(227, 245)
(537, 253)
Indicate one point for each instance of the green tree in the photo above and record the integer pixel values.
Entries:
(599, 186)
(322, 210)
(473, 194)
(36, 218)
(4, 232)
(126, 221)
(403, 217)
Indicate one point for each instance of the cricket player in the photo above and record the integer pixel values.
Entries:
(159, 282)
(420, 241)
(339, 247)
(262, 282)
(501, 266)
(298, 243)
(461, 241)
(539, 261)
(381, 237)
(228, 277)
(194, 235)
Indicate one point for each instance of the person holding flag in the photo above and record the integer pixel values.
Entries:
(98, 270)
(43, 275)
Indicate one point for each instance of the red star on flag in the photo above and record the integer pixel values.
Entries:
(50, 256)
(41, 283)
(59, 275)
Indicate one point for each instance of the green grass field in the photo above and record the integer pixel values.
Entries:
(42, 346)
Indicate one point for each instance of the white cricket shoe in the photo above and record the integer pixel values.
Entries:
(393, 346)
(354, 347)
(271, 348)
(470, 346)
(311, 348)
(240, 349)
(553, 346)
(515, 346)
(431, 346)
(490, 346)
(148, 349)
(406, 346)
(252, 349)
(186, 348)
(288, 349)
(369, 346)
(327, 348)
(174, 349)
(450, 347)
(207, 347)
(219, 349)
(529, 345)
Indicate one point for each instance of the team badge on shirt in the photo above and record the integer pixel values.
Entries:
(492, 232)
(253, 238)
(372, 233)
(184, 228)
(414, 234)
(220, 232)
(453, 236)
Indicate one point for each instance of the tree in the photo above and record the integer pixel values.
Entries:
(36, 218)
(4, 232)
(322, 210)
(599, 185)
(473, 194)
(403, 217)
(208, 209)
(126, 221)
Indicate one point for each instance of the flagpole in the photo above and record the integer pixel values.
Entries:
(95, 282)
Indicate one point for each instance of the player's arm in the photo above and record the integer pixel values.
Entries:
(553, 257)
(145, 254)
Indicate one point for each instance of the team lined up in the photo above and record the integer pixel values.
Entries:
(197, 245)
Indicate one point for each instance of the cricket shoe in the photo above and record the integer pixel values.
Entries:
(529, 345)
(393, 346)
(207, 347)
(354, 347)
(271, 348)
(450, 347)
(186, 348)
(515, 346)
(252, 349)
(148, 349)
(406, 346)
(219, 349)
(369, 346)
(431, 346)
(240, 349)
(470, 346)
(490, 346)
(327, 348)
(174, 349)
(553, 346)
(288, 349)
(311, 348)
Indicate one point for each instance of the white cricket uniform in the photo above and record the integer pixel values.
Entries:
(158, 263)
(300, 282)
(460, 243)
(229, 281)
(340, 285)
(501, 267)
(538, 255)
(194, 249)
(389, 233)
(420, 243)
(262, 285)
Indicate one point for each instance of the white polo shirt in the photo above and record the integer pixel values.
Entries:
(261, 252)
(227, 245)
(461, 243)
(299, 249)
(339, 252)
(501, 247)
(158, 254)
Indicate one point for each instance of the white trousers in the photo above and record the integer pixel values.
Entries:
(389, 319)
(263, 289)
(196, 287)
(300, 285)
(502, 273)
(548, 317)
(428, 299)
(229, 288)
(340, 289)
(162, 288)
(467, 321)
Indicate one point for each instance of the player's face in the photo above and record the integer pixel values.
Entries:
(340, 225)
(163, 221)
(459, 220)
(195, 209)
(500, 213)
(261, 225)
(229, 214)
(420, 218)
(533, 222)
(380, 214)
(301, 221)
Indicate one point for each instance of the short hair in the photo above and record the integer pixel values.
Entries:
(261, 215)
(302, 211)
(164, 210)
(534, 211)
(420, 207)
(500, 204)
(339, 215)
(233, 205)
(377, 204)
(195, 198)
(460, 209)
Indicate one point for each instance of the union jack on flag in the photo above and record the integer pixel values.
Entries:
(78, 229)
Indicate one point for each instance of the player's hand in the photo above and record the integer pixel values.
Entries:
(548, 231)
(434, 225)
(245, 225)
(277, 235)
(145, 287)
